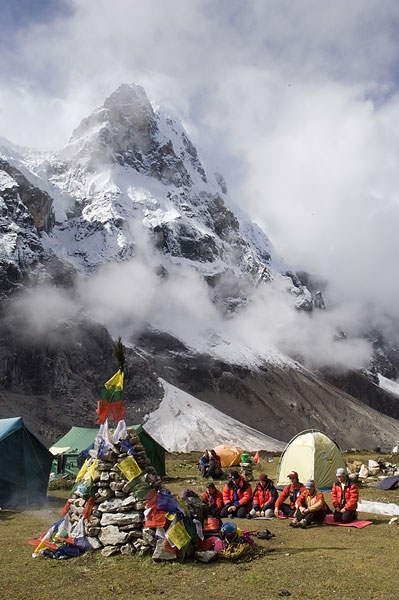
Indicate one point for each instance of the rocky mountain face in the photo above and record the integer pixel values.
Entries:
(130, 169)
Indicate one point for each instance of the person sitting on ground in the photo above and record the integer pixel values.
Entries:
(231, 534)
(215, 467)
(197, 506)
(291, 491)
(237, 496)
(214, 499)
(344, 496)
(310, 505)
(264, 498)
(203, 464)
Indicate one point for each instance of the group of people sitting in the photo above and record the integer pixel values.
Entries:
(305, 503)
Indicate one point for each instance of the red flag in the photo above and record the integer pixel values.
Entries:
(103, 407)
(257, 457)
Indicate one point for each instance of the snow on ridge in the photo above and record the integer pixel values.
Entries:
(388, 385)
(234, 352)
(182, 423)
(6, 181)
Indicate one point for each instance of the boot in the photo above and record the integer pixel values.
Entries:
(303, 523)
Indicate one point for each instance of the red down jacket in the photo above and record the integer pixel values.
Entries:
(265, 496)
(291, 491)
(244, 492)
(348, 499)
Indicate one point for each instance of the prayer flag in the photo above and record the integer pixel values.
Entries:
(129, 468)
(111, 399)
(177, 535)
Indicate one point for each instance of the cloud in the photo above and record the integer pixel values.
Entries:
(319, 174)
(314, 339)
(128, 297)
(40, 313)
(294, 102)
(67, 62)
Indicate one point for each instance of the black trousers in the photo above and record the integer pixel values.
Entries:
(347, 517)
(313, 517)
(287, 510)
(241, 512)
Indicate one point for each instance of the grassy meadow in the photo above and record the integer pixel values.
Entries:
(317, 563)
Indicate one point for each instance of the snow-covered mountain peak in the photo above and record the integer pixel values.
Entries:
(127, 131)
(127, 163)
(129, 167)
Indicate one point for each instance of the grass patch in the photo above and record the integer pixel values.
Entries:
(320, 563)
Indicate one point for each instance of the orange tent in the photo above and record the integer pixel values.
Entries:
(229, 455)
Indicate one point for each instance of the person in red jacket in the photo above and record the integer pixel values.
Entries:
(237, 496)
(291, 491)
(264, 498)
(310, 506)
(214, 499)
(344, 496)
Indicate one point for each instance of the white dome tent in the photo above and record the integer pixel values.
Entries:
(313, 455)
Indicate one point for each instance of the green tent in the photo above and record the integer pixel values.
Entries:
(68, 449)
(24, 465)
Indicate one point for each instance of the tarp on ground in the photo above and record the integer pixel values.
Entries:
(229, 455)
(388, 483)
(378, 508)
(68, 449)
(25, 465)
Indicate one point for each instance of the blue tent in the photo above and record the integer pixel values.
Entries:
(24, 465)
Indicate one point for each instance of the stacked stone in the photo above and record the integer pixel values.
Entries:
(116, 523)
(247, 470)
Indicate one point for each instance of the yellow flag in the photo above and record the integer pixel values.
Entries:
(177, 535)
(129, 468)
(116, 381)
(87, 469)
(82, 472)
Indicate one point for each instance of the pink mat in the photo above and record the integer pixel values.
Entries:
(329, 520)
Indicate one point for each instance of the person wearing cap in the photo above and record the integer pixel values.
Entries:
(237, 496)
(310, 506)
(264, 498)
(214, 499)
(291, 491)
(344, 496)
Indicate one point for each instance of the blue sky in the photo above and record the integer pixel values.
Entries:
(294, 101)
(20, 13)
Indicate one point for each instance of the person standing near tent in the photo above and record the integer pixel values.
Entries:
(214, 499)
(264, 498)
(291, 491)
(203, 464)
(310, 506)
(344, 496)
(237, 496)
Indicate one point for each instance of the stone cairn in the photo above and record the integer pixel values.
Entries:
(116, 522)
(247, 470)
